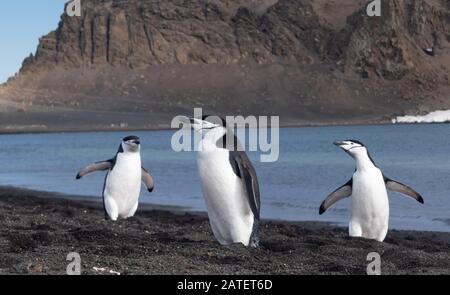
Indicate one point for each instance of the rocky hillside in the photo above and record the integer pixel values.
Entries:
(137, 63)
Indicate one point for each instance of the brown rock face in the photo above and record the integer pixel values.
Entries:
(393, 45)
(302, 60)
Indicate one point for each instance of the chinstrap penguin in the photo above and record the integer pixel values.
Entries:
(369, 204)
(122, 185)
(229, 183)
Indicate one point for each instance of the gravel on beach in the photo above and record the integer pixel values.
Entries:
(38, 230)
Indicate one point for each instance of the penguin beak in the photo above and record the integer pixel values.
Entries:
(197, 124)
(342, 145)
(137, 141)
(195, 121)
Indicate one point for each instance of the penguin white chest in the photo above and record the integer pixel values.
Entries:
(369, 206)
(229, 212)
(123, 186)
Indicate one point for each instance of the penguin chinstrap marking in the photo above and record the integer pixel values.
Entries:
(369, 204)
(122, 185)
(229, 184)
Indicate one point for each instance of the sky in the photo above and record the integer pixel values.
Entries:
(22, 23)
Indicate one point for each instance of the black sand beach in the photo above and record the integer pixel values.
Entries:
(38, 231)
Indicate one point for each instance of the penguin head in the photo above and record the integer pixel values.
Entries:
(131, 144)
(212, 127)
(352, 147)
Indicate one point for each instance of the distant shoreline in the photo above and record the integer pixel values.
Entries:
(19, 130)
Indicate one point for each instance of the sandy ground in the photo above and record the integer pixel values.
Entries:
(38, 231)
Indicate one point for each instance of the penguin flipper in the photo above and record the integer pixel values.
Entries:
(99, 166)
(403, 189)
(339, 194)
(147, 179)
(243, 168)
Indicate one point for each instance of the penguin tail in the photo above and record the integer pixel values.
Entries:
(254, 242)
(254, 237)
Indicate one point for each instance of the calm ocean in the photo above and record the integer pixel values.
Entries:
(292, 188)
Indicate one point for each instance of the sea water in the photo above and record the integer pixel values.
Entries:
(308, 169)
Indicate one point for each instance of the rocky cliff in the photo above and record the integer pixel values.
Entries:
(310, 61)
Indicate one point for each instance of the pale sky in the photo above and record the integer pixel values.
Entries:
(22, 23)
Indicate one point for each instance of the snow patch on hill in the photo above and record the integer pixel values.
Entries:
(441, 116)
